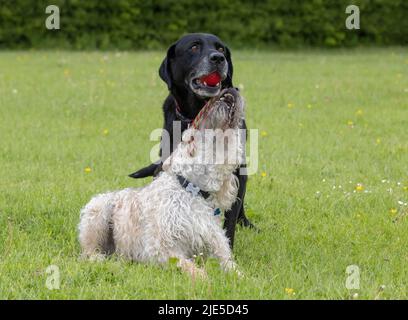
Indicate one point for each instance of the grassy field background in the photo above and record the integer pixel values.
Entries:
(329, 192)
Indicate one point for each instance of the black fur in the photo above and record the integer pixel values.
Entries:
(179, 67)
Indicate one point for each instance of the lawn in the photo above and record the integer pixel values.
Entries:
(330, 190)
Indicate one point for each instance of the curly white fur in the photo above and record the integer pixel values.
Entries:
(163, 220)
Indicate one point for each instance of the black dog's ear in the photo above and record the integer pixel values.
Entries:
(165, 68)
(228, 80)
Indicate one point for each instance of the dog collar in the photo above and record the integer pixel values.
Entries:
(200, 116)
(179, 115)
(182, 118)
(190, 187)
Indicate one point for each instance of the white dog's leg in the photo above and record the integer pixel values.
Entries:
(221, 250)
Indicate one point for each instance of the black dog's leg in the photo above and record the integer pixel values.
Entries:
(146, 172)
(231, 216)
(242, 219)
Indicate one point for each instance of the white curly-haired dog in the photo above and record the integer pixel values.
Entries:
(176, 215)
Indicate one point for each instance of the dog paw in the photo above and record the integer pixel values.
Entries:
(240, 274)
(230, 266)
(200, 274)
(97, 257)
(192, 269)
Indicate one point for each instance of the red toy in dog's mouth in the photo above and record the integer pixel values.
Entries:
(210, 80)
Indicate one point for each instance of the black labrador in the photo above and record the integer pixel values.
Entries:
(195, 69)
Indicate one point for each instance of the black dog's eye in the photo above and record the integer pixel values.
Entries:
(194, 48)
(221, 49)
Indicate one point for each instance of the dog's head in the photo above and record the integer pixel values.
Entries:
(200, 63)
(217, 125)
(222, 112)
(213, 147)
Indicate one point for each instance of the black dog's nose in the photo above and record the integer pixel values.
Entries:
(217, 57)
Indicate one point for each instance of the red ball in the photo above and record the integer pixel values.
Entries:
(212, 79)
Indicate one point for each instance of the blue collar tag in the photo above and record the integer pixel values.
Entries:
(192, 189)
(217, 212)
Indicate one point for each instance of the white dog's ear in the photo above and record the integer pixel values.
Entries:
(227, 195)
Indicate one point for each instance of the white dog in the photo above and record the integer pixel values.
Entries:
(176, 214)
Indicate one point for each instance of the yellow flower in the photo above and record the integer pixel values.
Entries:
(105, 132)
(350, 123)
(263, 174)
(290, 291)
(406, 188)
(264, 133)
(309, 106)
(378, 141)
(359, 187)
(359, 112)
(88, 170)
(290, 105)
(393, 211)
(67, 72)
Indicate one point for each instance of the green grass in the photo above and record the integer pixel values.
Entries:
(55, 106)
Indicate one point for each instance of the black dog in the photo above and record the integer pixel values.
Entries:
(195, 69)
